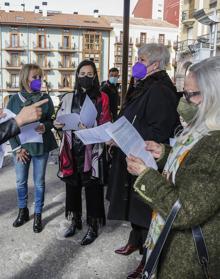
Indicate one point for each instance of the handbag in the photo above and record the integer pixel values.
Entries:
(199, 241)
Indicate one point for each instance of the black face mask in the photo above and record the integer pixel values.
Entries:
(86, 82)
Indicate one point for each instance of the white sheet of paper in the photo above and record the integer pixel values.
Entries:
(9, 115)
(130, 141)
(94, 135)
(88, 113)
(28, 134)
(172, 142)
(2, 154)
(70, 120)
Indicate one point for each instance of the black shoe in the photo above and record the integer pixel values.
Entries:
(37, 226)
(91, 234)
(76, 224)
(23, 217)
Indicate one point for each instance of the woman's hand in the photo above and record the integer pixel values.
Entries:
(135, 166)
(41, 129)
(155, 148)
(58, 125)
(2, 115)
(22, 156)
(82, 126)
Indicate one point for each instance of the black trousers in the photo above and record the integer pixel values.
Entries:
(137, 236)
(94, 193)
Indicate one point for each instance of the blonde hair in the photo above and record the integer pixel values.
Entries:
(24, 74)
(207, 75)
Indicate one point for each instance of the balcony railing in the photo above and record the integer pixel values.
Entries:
(15, 46)
(183, 46)
(63, 48)
(188, 15)
(63, 88)
(14, 66)
(45, 47)
(11, 86)
(45, 66)
(69, 67)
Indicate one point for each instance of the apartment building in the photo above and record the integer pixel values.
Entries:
(199, 35)
(55, 41)
(141, 31)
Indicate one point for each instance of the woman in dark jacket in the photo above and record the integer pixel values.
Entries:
(152, 109)
(80, 172)
(30, 84)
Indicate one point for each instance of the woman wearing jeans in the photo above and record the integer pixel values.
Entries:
(30, 86)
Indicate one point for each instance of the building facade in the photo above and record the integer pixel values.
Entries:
(167, 10)
(57, 42)
(141, 31)
(199, 36)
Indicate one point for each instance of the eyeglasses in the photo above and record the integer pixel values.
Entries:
(36, 77)
(189, 95)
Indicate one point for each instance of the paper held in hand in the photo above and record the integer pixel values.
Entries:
(29, 134)
(9, 115)
(94, 135)
(87, 117)
(130, 141)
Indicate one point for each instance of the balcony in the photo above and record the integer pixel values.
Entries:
(67, 67)
(12, 87)
(67, 49)
(43, 48)
(188, 17)
(14, 47)
(184, 46)
(62, 88)
(45, 66)
(13, 66)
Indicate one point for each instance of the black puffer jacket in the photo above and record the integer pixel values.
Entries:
(8, 130)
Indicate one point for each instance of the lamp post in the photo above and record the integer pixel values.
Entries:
(125, 48)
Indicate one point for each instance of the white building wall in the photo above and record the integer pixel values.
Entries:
(152, 36)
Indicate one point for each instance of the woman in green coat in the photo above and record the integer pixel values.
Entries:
(192, 175)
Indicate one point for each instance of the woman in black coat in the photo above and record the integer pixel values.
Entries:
(152, 109)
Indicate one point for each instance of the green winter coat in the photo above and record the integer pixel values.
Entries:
(198, 188)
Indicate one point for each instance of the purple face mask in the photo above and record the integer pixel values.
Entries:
(36, 85)
(139, 70)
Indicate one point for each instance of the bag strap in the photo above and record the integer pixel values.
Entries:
(152, 262)
(201, 250)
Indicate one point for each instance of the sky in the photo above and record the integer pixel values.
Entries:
(107, 7)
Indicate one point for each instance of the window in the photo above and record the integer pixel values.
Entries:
(161, 39)
(41, 41)
(14, 40)
(14, 81)
(14, 59)
(66, 61)
(41, 60)
(143, 38)
(66, 41)
(66, 80)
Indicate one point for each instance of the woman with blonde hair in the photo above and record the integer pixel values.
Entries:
(30, 92)
(190, 181)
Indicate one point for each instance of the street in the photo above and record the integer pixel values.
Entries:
(26, 255)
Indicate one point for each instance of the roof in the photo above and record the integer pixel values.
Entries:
(54, 20)
(141, 21)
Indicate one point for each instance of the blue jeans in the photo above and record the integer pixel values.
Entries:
(39, 170)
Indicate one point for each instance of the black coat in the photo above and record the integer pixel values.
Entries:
(154, 107)
(8, 130)
(112, 91)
